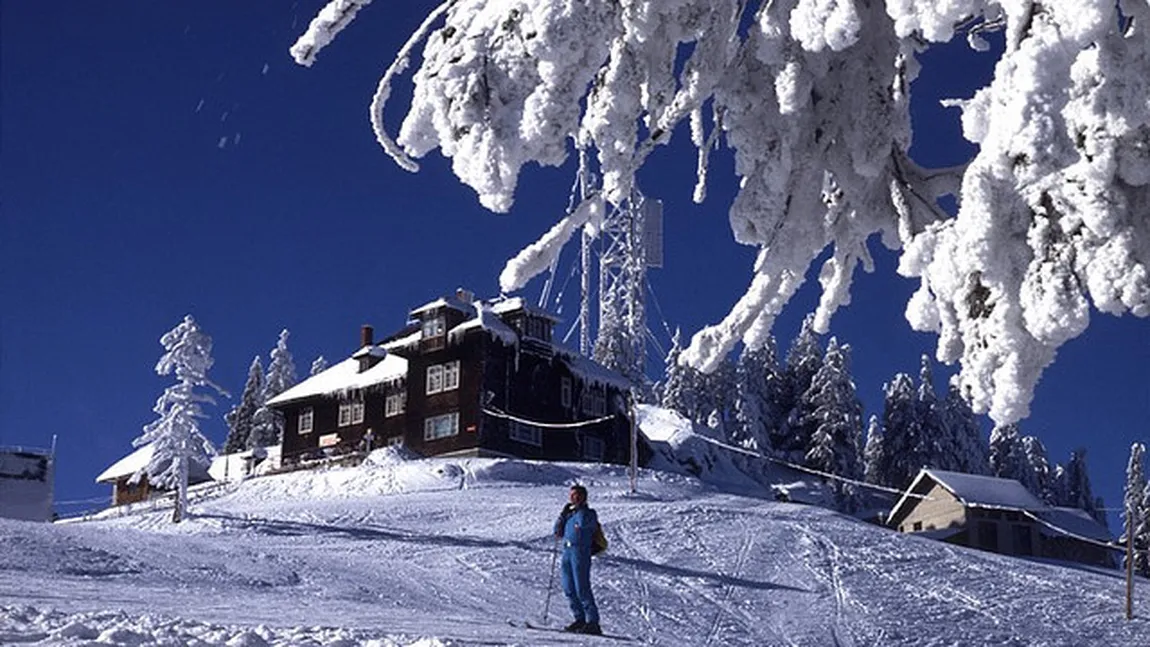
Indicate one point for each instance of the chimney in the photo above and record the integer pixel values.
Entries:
(365, 336)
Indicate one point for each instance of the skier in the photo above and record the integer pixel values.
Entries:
(575, 527)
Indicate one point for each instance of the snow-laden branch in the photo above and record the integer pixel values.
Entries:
(812, 97)
(540, 255)
(331, 20)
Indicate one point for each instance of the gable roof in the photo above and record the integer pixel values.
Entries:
(138, 460)
(972, 491)
(127, 465)
(1072, 521)
(344, 377)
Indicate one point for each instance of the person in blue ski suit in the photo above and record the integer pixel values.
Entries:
(575, 527)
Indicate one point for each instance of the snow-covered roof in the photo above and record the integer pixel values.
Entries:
(405, 341)
(487, 321)
(975, 491)
(127, 465)
(588, 370)
(513, 304)
(370, 351)
(445, 302)
(1073, 521)
(345, 376)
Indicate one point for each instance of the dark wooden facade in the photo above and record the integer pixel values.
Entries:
(509, 376)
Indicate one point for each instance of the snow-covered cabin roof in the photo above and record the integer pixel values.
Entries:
(588, 370)
(486, 320)
(127, 465)
(370, 351)
(410, 339)
(514, 304)
(445, 302)
(345, 376)
(1073, 521)
(973, 491)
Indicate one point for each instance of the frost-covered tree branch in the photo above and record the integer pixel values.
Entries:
(812, 99)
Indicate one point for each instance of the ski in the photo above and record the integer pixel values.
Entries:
(523, 624)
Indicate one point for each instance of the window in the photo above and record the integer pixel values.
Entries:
(441, 426)
(526, 434)
(585, 401)
(917, 526)
(593, 448)
(565, 392)
(434, 379)
(395, 404)
(599, 404)
(433, 327)
(306, 420)
(451, 375)
(443, 377)
(350, 413)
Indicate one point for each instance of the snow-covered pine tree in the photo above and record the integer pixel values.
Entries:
(902, 456)
(873, 454)
(836, 417)
(1077, 492)
(584, 75)
(241, 418)
(1038, 474)
(1142, 532)
(268, 424)
(804, 358)
(936, 445)
(717, 393)
(1132, 511)
(678, 390)
(175, 436)
(756, 373)
(1007, 456)
(971, 451)
(319, 365)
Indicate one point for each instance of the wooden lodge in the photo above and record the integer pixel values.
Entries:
(465, 378)
(997, 515)
(125, 490)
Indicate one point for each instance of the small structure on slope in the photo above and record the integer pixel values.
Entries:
(465, 377)
(124, 490)
(999, 515)
(26, 480)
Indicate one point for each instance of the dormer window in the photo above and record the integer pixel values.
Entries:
(433, 327)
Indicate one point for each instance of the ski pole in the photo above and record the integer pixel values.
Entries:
(551, 580)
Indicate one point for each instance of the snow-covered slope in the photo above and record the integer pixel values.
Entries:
(447, 551)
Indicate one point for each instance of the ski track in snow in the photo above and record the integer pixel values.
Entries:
(444, 552)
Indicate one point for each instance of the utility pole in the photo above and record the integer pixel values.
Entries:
(1129, 563)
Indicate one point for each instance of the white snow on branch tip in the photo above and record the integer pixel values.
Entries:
(540, 255)
(330, 20)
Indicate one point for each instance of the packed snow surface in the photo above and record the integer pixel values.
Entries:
(446, 551)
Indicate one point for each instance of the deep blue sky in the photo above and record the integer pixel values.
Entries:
(122, 212)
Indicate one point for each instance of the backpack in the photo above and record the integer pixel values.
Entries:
(598, 540)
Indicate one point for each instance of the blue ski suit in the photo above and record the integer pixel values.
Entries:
(575, 529)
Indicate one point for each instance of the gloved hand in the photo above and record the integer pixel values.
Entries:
(567, 509)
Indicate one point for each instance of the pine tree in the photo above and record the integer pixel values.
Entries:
(1077, 492)
(836, 417)
(971, 453)
(268, 424)
(318, 366)
(241, 418)
(902, 456)
(677, 391)
(717, 393)
(873, 454)
(936, 446)
(804, 358)
(1037, 474)
(756, 372)
(1007, 457)
(175, 436)
(1142, 532)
